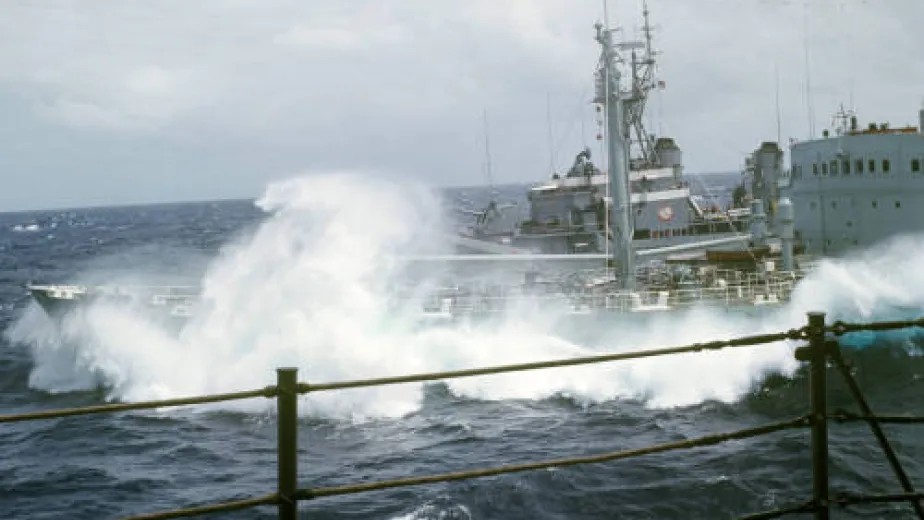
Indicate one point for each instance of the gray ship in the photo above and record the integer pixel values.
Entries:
(570, 213)
(851, 188)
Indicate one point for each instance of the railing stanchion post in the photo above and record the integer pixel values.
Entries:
(287, 440)
(819, 397)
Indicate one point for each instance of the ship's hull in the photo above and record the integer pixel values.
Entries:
(58, 301)
(575, 307)
(162, 304)
(51, 305)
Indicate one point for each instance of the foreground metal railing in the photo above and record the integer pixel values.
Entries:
(821, 348)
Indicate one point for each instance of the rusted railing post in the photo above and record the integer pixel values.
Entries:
(287, 440)
(819, 397)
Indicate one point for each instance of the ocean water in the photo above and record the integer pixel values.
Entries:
(303, 277)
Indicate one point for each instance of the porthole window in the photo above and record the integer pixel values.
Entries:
(898, 204)
(875, 204)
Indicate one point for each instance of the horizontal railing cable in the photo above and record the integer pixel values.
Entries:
(269, 391)
(840, 328)
(237, 505)
(306, 494)
(746, 341)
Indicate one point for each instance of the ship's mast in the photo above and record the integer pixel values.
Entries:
(844, 121)
(613, 99)
(641, 83)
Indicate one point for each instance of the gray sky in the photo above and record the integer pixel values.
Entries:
(121, 101)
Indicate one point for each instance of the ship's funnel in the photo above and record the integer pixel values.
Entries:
(669, 155)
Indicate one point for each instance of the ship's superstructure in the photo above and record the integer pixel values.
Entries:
(577, 212)
(850, 188)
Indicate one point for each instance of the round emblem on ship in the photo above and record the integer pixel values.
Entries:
(666, 213)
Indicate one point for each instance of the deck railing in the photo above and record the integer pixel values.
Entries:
(822, 347)
(746, 291)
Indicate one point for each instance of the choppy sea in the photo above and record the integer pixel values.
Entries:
(299, 278)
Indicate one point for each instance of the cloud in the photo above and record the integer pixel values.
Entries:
(342, 39)
(92, 66)
(264, 89)
(143, 98)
